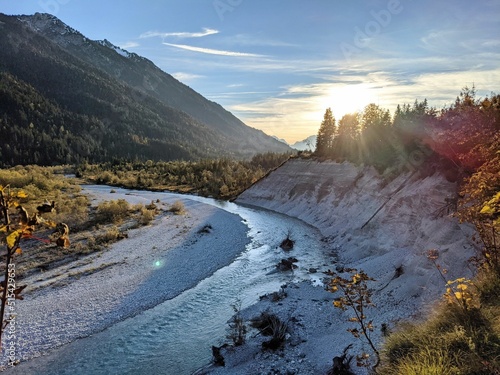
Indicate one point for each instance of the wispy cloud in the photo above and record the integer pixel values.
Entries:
(211, 51)
(185, 77)
(129, 45)
(152, 34)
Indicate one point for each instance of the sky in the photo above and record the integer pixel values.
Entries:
(278, 64)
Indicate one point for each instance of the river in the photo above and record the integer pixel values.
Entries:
(175, 337)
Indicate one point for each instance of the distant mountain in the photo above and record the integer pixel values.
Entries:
(307, 144)
(66, 99)
(280, 139)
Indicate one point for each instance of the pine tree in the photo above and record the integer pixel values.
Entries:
(326, 134)
(349, 126)
(374, 116)
(347, 138)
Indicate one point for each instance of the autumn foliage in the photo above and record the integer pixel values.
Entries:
(13, 229)
(355, 296)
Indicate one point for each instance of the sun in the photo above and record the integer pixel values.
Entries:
(349, 98)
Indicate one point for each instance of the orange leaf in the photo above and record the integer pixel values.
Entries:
(19, 251)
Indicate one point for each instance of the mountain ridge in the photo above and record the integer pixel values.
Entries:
(152, 82)
(120, 91)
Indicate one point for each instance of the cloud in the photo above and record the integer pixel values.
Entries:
(129, 45)
(297, 110)
(212, 51)
(152, 34)
(491, 43)
(184, 77)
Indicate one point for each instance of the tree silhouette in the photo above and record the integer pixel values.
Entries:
(326, 134)
(347, 138)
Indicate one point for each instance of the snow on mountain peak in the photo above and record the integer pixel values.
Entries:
(52, 27)
(118, 50)
(48, 23)
(308, 144)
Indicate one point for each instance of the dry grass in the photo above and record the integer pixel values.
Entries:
(91, 230)
(178, 208)
(114, 211)
(146, 216)
(452, 341)
(111, 235)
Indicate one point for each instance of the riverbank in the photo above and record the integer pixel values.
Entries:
(382, 226)
(357, 219)
(154, 264)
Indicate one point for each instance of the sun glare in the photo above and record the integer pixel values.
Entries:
(349, 99)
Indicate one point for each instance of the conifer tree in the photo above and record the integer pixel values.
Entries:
(326, 134)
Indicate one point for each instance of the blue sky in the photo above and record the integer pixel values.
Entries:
(278, 64)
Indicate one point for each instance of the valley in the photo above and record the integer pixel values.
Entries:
(147, 229)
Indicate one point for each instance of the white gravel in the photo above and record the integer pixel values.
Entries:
(154, 264)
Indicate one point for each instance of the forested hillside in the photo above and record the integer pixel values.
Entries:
(58, 107)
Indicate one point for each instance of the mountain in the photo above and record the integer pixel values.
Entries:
(280, 139)
(66, 99)
(307, 144)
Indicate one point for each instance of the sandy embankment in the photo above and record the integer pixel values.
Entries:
(341, 200)
(154, 264)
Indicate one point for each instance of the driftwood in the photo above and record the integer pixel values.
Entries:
(287, 264)
(287, 244)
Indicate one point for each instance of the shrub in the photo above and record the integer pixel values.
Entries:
(271, 325)
(113, 211)
(237, 327)
(453, 341)
(113, 234)
(462, 337)
(177, 208)
(73, 212)
(145, 216)
(356, 297)
(12, 232)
